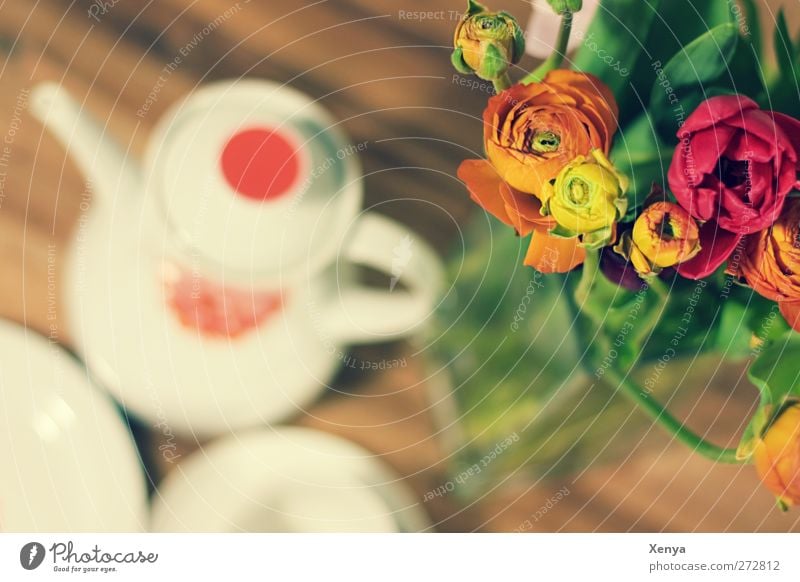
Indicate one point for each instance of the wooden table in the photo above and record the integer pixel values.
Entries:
(389, 79)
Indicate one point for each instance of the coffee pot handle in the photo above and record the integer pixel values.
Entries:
(361, 314)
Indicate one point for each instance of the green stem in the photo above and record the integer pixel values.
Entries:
(653, 315)
(589, 273)
(591, 269)
(502, 83)
(640, 397)
(663, 417)
(557, 56)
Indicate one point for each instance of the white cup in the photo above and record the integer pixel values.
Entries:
(203, 301)
(68, 461)
(286, 480)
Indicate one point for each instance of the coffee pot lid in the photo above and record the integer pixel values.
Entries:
(236, 171)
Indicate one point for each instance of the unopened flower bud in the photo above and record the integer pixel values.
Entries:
(487, 43)
(562, 6)
(663, 235)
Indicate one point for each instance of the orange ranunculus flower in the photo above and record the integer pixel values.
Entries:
(663, 235)
(546, 253)
(770, 262)
(777, 456)
(532, 131)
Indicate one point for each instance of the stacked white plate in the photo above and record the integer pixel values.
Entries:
(67, 460)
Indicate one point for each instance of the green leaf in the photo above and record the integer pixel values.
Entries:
(618, 34)
(610, 314)
(475, 7)
(457, 58)
(775, 372)
(693, 308)
(676, 24)
(643, 157)
(733, 332)
(598, 239)
(752, 433)
(684, 81)
(751, 27)
(562, 232)
(783, 86)
(784, 48)
(770, 326)
(494, 63)
(644, 170)
(772, 331)
(700, 62)
(519, 38)
(748, 73)
(681, 21)
(638, 139)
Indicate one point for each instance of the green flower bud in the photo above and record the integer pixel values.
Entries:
(562, 6)
(487, 43)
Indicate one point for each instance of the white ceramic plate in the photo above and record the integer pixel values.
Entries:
(67, 460)
(285, 480)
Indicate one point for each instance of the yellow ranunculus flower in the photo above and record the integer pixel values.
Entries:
(663, 235)
(587, 199)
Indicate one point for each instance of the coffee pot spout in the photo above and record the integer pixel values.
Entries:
(99, 157)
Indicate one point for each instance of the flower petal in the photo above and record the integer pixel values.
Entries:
(484, 184)
(705, 149)
(552, 254)
(791, 313)
(716, 110)
(791, 128)
(716, 246)
(619, 270)
(525, 210)
(590, 86)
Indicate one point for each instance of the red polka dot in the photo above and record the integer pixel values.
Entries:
(260, 164)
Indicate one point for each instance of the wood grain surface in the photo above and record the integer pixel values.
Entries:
(389, 79)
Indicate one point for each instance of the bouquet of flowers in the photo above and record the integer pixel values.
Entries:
(656, 176)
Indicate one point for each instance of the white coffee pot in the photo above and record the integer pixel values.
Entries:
(212, 287)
